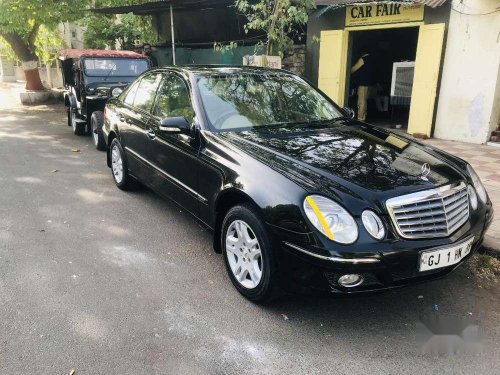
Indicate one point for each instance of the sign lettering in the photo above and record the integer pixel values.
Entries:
(373, 14)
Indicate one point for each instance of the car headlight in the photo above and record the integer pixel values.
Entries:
(331, 219)
(373, 224)
(472, 197)
(478, 185)
(116, 91)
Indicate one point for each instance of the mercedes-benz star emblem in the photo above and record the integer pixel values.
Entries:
(424, 171)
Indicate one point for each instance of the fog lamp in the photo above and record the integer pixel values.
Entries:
(350, 280)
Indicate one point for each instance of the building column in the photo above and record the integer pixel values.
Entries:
(468, 107)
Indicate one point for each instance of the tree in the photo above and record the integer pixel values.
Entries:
(279, 19)
(104, 30)
(20, 22)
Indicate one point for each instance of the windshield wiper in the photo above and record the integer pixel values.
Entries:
(109, 73)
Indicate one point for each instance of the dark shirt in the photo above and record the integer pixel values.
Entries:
(365, 76)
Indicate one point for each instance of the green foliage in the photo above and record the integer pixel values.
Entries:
(48, 43)
(104, 30)
(279, 19)
(6, 50)
(21, 15)
(20, 22)
(222, 48)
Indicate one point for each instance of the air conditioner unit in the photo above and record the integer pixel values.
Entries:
(402, 82)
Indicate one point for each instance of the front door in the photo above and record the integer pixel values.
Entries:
(175, 156)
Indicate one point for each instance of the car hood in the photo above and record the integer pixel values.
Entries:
(348, 154)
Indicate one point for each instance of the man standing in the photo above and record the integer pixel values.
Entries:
(147, 50)
(364, 76)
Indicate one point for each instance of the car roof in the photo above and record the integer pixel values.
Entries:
(77, 53)
(220, 69)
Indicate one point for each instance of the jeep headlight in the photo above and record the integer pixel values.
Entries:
(331, 219)
(476, 181)
(116, 91)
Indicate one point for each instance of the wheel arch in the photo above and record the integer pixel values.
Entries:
(227, 199)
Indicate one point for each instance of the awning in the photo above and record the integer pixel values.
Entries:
(340, 3)
(155, 6)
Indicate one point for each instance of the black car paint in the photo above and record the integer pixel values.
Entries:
(357, 165)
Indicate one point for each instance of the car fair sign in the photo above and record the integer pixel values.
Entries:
(382, 13)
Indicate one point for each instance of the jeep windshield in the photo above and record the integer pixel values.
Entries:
(115, 67)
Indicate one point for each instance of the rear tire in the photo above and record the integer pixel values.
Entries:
(96, 121)
(119, 167)
(248, 254)
(77, 126)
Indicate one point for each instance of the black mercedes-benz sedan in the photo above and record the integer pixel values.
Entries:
(298, 194)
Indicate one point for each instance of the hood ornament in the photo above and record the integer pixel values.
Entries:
(425, 169)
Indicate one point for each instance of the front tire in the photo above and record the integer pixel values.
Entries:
(248, 254)
(96, 121)
(119, 168)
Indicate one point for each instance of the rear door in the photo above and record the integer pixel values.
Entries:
(175, 156)
(134, 117)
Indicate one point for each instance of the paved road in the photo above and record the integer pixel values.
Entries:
(108, 282)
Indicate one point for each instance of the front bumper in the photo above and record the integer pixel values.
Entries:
(390, 265)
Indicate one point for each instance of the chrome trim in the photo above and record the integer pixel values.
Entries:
(333, 259)
(169, 176)
(442, 193)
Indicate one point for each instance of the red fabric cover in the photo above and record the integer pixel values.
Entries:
(77, 53)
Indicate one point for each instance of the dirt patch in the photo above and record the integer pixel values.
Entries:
(485, 268)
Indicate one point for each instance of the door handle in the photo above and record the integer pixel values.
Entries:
(151, 134)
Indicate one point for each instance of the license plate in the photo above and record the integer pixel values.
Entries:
(432, 259)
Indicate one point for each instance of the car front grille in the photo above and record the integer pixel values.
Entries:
(431, 213)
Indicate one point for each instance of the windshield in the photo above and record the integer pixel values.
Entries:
(236, 101)
(100, 67)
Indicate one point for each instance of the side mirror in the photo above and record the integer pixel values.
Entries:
(349, 112)
(177, 124)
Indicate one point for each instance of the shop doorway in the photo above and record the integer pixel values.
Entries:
(335, 55)
(389, 72)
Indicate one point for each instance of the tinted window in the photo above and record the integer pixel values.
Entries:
(146, 91)
(254, 99)
(130, 94)
(174, 99)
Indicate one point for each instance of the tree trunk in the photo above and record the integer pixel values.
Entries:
(32, 74)
(25, 51)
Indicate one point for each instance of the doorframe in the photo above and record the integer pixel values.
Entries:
(347, 58)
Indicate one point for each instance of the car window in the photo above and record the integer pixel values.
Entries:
(174, 99)
(130, 94)
(146, 91)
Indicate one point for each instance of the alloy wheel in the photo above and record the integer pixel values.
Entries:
(117, 164)
(244, 254)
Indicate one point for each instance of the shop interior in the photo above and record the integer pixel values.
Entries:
(392, 52)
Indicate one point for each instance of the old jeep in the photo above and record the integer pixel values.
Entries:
(90, 78)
